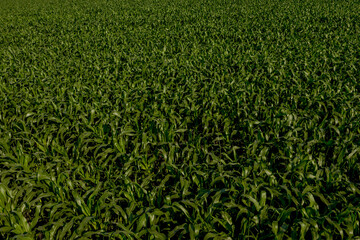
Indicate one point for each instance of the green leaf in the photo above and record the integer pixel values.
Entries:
(66, 229)
(141, 222)
(156, 234)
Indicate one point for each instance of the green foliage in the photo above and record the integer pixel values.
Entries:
(158, 119)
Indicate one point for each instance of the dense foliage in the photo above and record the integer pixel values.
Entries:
(157, 119)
